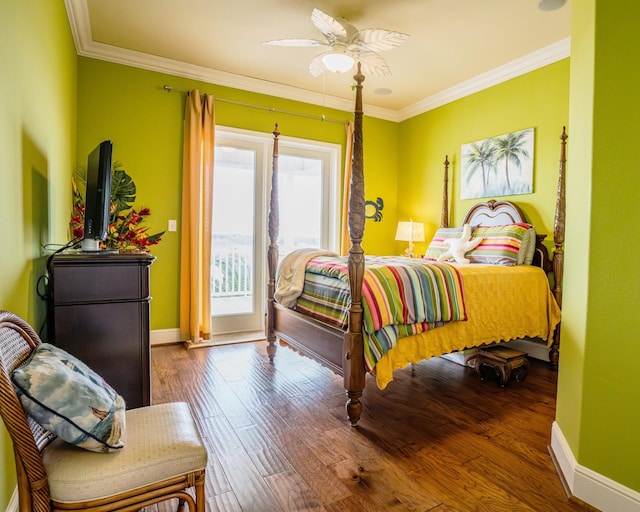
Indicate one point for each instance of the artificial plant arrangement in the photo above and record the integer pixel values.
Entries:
(126, 231)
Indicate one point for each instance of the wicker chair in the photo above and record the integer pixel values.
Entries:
(163, 455)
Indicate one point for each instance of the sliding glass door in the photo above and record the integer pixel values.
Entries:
(309, 199)
(237, 236)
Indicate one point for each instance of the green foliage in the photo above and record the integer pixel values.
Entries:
(125, 230)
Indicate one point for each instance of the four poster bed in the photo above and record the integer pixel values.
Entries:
(494, 302)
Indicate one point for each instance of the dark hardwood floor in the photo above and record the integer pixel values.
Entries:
(441, 440)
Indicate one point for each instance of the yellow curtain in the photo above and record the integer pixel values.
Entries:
(345, 242)
(197, 198)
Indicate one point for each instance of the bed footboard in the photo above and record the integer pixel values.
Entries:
(288, 325)
(309, 336)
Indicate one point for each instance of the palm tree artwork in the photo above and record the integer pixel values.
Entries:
(498, 166)
(481, 157)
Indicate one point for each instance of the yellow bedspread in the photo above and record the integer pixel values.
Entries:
(503, 303)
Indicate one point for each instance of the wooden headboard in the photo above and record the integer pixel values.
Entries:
(499, 213)
(494, 213)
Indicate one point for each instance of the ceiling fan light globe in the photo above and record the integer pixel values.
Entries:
(338, 62)
(551, 5)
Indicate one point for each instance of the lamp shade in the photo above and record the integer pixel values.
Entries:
(338, 62)
(410, 231)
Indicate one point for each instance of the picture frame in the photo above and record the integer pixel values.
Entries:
(498, 166)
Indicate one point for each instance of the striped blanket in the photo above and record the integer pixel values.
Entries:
(400, 297)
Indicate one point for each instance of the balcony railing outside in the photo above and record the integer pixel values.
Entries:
(232, 275)
(231, 279)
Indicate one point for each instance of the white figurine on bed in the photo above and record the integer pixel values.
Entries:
(458, 247)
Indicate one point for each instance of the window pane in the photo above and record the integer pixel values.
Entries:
(300, 192)
(233, 228)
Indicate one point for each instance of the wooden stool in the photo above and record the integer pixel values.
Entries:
(502, 361)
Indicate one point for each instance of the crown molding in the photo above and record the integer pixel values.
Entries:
(540, 58)
(78, 15)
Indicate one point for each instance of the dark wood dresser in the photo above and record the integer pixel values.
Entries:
(100, 314)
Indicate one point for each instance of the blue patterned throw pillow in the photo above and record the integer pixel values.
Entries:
(68, 398)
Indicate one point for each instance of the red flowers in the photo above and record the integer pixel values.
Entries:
(126, 231)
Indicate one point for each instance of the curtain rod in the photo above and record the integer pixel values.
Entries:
(322, 118)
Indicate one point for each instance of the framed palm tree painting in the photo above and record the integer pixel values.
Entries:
(498, 166)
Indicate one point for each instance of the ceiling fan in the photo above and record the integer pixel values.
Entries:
(346, 45)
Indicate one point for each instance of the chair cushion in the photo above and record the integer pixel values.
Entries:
(69, 399)
(161, 442)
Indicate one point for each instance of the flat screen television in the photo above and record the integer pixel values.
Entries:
(97, 197)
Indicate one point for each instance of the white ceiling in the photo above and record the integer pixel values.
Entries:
(456, 46)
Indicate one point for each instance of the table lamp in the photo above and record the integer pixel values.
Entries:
(410, 232)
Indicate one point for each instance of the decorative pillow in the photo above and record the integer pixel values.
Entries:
(458, 247)
(69, 399)
(528, 247)
(438, 245)
(500, 244)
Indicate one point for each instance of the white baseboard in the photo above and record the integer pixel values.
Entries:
(169, 336)
(597, 490)
(463, 357)
(533, 349)
(164, 336)
(13, 504)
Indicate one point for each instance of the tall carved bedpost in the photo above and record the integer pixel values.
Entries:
(272, 252)
(444, 215)
(558, 240)
(353, 347)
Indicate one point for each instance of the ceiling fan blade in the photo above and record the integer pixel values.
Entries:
(372, 64)
(342, 37)
(295, 42)
(378, 40)
(329, 26)
(316, 67)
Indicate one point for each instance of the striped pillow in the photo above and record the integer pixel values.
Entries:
(437, 247)
(500, 244)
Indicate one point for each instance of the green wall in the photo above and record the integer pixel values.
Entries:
(598, 394)
(129, 106)
(536, 100)
(37, 143)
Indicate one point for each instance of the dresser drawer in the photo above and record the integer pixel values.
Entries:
(100, 279)
(82, 283)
